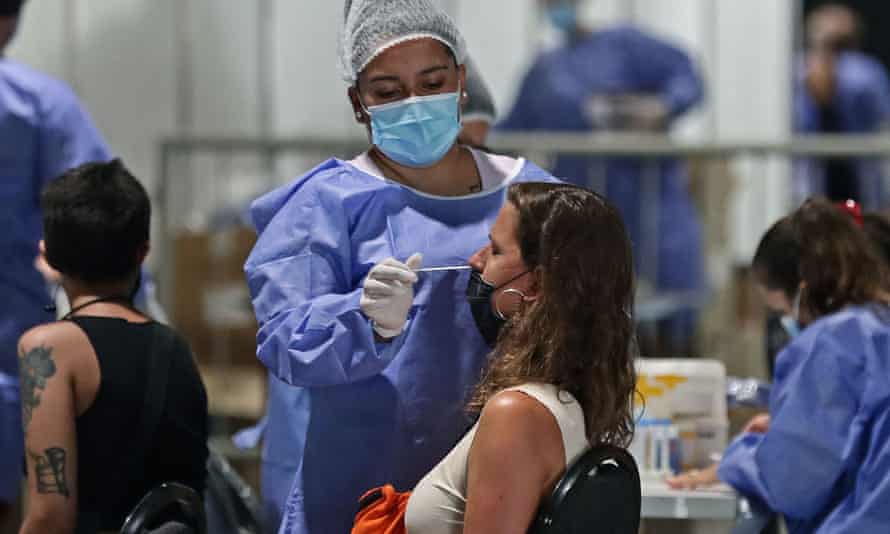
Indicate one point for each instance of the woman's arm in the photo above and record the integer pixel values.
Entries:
(48, 416)
(516, 459)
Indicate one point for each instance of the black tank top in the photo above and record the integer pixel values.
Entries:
(109, 482)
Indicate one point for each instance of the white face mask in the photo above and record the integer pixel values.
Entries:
(791, 323)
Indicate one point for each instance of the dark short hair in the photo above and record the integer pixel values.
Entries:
(96, 220)
(10, 8)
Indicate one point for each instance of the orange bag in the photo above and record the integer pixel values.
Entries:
(382, 512)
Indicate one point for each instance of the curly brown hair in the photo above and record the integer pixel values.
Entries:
(579, 333)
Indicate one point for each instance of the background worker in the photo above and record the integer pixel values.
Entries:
(44, 131)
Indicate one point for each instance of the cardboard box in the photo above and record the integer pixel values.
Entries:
(211, 303)
(236, 391)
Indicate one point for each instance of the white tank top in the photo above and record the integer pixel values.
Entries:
(438, 502)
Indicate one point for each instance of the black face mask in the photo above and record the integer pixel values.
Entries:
(488, 321)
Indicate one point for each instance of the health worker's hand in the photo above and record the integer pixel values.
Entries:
(387, 294)
(759, 424)
(694, 479)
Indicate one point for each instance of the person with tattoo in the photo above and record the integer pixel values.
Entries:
(112, 402)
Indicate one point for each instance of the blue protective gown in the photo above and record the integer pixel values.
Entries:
(825, 461)
(44, 131)
(615, 61)
(358, 413)
(862, 105)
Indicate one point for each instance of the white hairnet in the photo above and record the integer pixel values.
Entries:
(372, 26)
(480, 103)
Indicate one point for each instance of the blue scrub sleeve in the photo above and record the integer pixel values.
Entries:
(874, 99)
(682, 87)
(312, 331)
(68, 137)
(11, 440)
(323, 341)
(817, 424)
(522, 115)
(671, 69)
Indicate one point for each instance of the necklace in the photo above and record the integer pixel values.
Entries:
(394, 175)
(120, 299)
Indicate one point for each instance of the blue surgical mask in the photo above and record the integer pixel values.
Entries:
(791, 323)
(417, 131)
(563, 16)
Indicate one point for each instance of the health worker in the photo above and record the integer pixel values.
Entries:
(621, 79)
(371, 362)
(822, 456)
(44, 131)
(840, 90)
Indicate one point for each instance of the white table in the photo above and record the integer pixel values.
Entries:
(717, 502)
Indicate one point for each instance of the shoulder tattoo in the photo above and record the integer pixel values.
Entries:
(36, 367)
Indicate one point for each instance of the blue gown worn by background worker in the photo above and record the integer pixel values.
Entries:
(362, 413)
(621, 60)
(861, 105)
(44, 131)
(825, 461)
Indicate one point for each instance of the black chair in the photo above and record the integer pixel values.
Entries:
(600, 492)
(169, 508)
(232, 506)
(755, 518)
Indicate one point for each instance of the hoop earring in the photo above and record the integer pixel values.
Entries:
(497, 309)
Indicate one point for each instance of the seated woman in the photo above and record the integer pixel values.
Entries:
(775, 266)
(113, 404)
(557, 280)
(821, 457)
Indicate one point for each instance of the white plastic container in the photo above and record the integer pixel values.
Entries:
(656, 448)
(691, 394)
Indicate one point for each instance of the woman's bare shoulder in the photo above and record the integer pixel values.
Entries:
(61, 340)
(513, 416)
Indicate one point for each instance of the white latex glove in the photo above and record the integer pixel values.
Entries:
(388, 293)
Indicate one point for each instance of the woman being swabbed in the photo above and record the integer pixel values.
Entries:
(555, 286)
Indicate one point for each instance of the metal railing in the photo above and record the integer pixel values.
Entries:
(567, 143)
(206, 183)
(184, 179)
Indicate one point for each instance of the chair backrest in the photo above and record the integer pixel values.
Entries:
(169, 506)
(232, 506)
(600, 491)
(754, 518)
